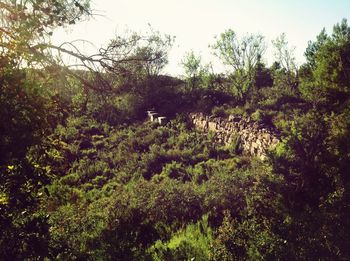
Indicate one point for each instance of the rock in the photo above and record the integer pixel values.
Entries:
(258, 142)
(255, 138)
(203, 125)
(212, 126)
(275, 140)
(267, 136)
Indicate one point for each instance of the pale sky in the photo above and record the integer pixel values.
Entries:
(195, 23)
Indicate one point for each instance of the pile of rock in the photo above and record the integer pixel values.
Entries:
(154, 116)
(254, 138)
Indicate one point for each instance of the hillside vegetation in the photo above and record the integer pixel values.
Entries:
(84, 175)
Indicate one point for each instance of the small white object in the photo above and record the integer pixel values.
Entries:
(162, 120)
(150, 112)
(153, 116)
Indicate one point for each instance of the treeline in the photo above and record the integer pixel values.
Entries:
(83, 176)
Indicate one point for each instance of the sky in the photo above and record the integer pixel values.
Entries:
(195, 23)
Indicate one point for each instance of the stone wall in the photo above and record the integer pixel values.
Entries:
(254, 138)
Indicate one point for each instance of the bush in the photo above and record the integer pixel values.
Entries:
(190, 243)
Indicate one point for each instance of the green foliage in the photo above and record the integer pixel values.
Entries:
(310, 160)
(28, 24)
(327, 84)
(263, 76)
(175, 170)
(250, 239)
(284, 55)
(250, 215)
(135, 56)
(219, 112)
(191, 242)
(257, 115)
(84, 177)
(24, 120)
(196, 74)
(241, 55)
(192, 67)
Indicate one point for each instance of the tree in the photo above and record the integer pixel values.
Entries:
(313, 47)
(314, 161)
(27, 25)
(25, 119)
(284, 55)
(128, 73)
(148, 53)
(193, 68)
(24, 232)
(263, 77)
(241, 54)
(135, 55)
(327, 82)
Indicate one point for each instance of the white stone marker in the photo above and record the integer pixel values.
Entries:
(153, 116)
(162, 120)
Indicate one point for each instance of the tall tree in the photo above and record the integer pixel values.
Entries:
(193, 68)
(328, 82)
(284, 55)
(241, 55)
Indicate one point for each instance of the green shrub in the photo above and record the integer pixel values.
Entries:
(175, 170)
(257, 115)
(190, 243)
